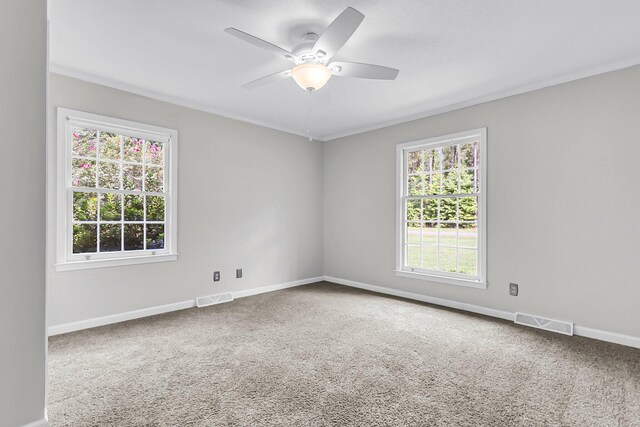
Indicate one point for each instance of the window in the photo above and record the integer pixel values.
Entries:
(116, 192)
(442, 209)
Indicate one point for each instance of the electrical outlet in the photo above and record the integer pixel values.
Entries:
(216, 276)
(239, 273)
(513, 289)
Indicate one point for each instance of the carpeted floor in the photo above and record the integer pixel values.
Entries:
(327, 355)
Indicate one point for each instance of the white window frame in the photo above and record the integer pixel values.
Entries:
(65, 258)
(402, 150)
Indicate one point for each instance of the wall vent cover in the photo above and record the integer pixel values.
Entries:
(214, 299)
(559, 326)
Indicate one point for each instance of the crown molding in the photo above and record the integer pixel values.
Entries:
(80, 75)
(566, 78)
(181, 102)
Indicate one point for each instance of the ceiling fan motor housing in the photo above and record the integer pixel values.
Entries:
(304, 51)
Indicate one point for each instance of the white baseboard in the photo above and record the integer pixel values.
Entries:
(424, 298)
(613, 337)
(42, 422)
(120, 317)
(597, 334)
(277, 287)
(150, 311)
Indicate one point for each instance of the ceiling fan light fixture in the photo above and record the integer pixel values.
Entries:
(311, 76)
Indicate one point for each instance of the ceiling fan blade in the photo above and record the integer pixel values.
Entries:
(281, 75)
(364, 71)
(262, 44)
(338, 32)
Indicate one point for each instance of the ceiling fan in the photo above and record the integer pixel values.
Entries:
(312, 68)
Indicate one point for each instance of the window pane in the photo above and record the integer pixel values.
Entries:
(432, 184)
(437, 159)
(447, 259)
(448, 207)
(466, 181)
(84, 238)
(412, 233)
(449, 157)
(154, 179)
(133, 237)
(110, 237)
(132, 177)
(468, 235)
(414, 187)
(430, 209)
(429, 257)
(412, 256)
(155, 208)
(450, 182)
(447, 223)
(85, 206)
(477, 155)
(133, 149)
(469, 154)
(430, 233)
(110, 146)
(109, 175)
(468, 208)
(133, 208)
(432, 160)
(84, 142)
(468, 261)
(83, 173)
(414, 162)
(110, 207)
(154, 152)
(448, 235)
(413, 209)
(155, 236)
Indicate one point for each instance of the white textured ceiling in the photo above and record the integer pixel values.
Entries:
(449, 52)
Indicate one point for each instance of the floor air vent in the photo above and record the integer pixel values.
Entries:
(214, 299)
(559, 326)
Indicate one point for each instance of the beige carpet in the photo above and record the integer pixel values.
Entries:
(327, 355)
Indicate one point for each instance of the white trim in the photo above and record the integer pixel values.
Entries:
(65, 259)
(113, 262)
(120, 317)
(151, 311)
(601, 335)
(277, 287)
(42, 422)
(91, 78)
(566, 78)
(555, 81)
(569, 77)
(613, 337)
(442, 279)
(424, 298)
(583, 331)
(479, 281)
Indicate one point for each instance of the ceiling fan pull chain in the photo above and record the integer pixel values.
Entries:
(309, 110)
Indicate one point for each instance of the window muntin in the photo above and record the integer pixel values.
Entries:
(119, 189)
(441, 207)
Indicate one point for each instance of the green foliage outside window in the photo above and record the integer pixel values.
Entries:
(116, 221)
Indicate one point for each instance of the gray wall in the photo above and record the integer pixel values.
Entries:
(563, 202)
(248, 197)
(22, 214)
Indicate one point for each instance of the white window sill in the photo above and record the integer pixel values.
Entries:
(442, 279)
(113, 262)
